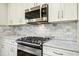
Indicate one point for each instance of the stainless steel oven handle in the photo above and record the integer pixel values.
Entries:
(27, 43)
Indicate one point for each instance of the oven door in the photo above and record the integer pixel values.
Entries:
(27, 51)
(23, 53)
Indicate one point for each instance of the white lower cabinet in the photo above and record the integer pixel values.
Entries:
(58, 52)
(12, 50)
(8, 49)
(4, 50)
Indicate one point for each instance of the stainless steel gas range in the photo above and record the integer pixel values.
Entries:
(31, 46)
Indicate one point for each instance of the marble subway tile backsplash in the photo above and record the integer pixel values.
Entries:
(64, 31)
(7, 31)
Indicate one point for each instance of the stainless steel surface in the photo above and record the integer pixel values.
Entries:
(44, 5)
(27, 10)
(33, 40)
(29, 50)
(32, 45)
(35, 8)
(27, 43)
(38, 14)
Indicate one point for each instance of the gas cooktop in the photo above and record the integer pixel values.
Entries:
(34, 40)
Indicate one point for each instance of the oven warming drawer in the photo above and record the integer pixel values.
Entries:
(29, 50)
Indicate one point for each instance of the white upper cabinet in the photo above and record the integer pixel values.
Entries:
(16, 13)
(3, 13)
(29, 5)
(69, 11)
(78, 26)
(62, 11)
(53, 12)
(13, 13)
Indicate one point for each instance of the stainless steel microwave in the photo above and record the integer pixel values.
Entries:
(37, 14)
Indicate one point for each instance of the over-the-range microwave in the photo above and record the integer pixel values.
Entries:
(37, 14)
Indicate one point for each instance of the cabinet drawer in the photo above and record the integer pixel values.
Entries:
(54, 51)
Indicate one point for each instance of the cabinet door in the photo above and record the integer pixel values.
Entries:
(78, 26)
(3, 14)
(12, 50)
(69, 11)
(4, 49)
(58, 52)
(29, 5)
(16, 13)
(8, 50)
(54, 12)
(0, 48)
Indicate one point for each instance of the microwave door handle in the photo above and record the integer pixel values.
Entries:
(40, 12)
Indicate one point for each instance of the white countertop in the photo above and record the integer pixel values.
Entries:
(67, 45)
(10, 39)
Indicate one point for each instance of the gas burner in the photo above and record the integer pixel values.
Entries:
(34, 40)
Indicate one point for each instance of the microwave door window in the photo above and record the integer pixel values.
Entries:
(28, 15)
(32, 14)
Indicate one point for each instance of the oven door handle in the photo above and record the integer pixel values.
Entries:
(27, 43)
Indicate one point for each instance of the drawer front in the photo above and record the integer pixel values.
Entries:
(54, 51)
